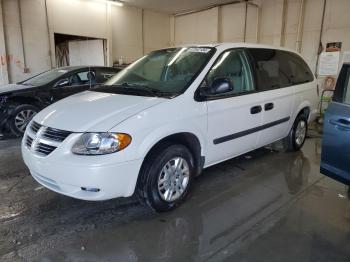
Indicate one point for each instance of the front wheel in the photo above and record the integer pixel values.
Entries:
(21, 117)
(297, 135)
(166, 177)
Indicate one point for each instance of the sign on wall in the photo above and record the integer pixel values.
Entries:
(329, 63)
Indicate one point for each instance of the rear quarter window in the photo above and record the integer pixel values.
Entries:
(278, 69)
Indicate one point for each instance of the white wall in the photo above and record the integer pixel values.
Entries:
(233, 21)
(88, 52)
(78, 17)
(129, 31)
(156, 30)
(34, 34)
(219, 24)
(226, 24)
(137, 32)
(201, 27)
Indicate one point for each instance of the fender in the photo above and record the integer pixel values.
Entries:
(157, 135)
(148, 131)
(304, 104)
(8, 105)
(22, 98)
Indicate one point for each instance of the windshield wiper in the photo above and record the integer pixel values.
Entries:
(134, 88)
(144, 87)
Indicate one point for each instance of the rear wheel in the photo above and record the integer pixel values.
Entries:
(21, 117)
(297, 135)
(166, 177)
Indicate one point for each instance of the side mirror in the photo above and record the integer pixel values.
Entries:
(62, 82)
(219, 86)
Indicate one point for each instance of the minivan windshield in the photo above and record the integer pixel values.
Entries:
(45, 78)
(162, 72)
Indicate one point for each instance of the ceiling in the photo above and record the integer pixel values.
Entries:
(175, 6)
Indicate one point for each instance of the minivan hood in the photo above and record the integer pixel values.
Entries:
(93, 111)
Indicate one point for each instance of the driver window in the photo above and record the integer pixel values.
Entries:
(82, 78)
(232, 65)
(347, 88)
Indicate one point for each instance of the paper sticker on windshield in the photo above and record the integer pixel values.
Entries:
(198, 50)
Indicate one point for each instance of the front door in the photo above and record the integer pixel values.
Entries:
(234, 116)
(335, 157)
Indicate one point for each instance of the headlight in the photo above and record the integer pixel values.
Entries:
(101, 143)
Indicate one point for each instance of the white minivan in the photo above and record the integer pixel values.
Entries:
(154, 126)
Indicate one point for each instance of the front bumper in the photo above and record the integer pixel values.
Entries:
(69, 174)
(4, 115)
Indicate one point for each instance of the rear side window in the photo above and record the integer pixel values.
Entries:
(277, 69)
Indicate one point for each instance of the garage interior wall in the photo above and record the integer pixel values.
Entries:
(131, 32)
(226, 24)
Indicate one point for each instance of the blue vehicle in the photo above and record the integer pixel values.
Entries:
(335, 159)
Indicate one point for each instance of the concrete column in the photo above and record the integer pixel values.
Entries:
(4, 76)
(219, 21)
(51, 30)
(172, 30)
(109, 25)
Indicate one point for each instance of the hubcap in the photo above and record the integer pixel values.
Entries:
(23, 118)
(300, 133)
(173, 179)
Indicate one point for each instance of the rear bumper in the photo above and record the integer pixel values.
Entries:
(313, 115)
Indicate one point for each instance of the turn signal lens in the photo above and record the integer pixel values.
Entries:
(124, 140)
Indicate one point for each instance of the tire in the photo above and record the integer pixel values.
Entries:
(20, 118)
(297, 135)
(159, 166)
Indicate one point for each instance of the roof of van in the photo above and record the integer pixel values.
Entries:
(236, 45)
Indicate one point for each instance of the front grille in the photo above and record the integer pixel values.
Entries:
(44, 149)
(35, 127)
(44, 140)
(29, 141)
(55, 134)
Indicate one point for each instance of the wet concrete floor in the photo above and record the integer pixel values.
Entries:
(265, 206)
